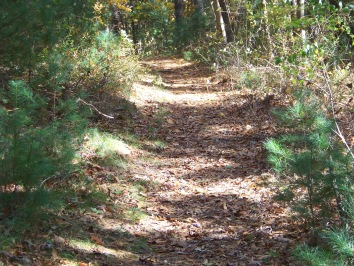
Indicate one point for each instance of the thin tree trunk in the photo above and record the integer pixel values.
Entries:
(116, 21)
(302, 14)
(134, 33)
(134, 29)
(178, 10)
(220, 27)
(227, 22)
(178, 25)
(293, 16)
(266, 22)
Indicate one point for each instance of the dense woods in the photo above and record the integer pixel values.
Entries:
(67, 68)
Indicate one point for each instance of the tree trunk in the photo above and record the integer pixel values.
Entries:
(294, 3)
(293, 16)
(267, 29)
(116, 20)
(178, 10)
(220, 27)
(178, 25)
(302, 14)
(134, 30)
(227, 22)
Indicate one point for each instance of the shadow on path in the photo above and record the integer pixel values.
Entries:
(215, 205)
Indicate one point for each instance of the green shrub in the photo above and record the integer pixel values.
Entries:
(315, 170)
(32, 151)
(313, 166)
(336, 246)
(152, 27)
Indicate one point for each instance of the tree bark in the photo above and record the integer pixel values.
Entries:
(116, 20)
(220, 27)
(178, 25)
(134, 30)
(227, 22)
(302, 14)
(267, 29)
(178, 10)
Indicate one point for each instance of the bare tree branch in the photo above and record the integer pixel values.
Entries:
(98, 111)
(338, 130)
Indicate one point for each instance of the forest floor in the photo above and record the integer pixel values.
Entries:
(195, 188)
(214, 203)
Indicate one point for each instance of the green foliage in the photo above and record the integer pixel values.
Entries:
(152, 26)
(250, 80)
(155, 31)
(105, 65)
(58, 53)
(30, 27)
(314, 168)
(30, 150)
(321, 39)
(205, 50)
(192, 31)
(336, 248)
(54, 54)
(107, 148)
(301, 45)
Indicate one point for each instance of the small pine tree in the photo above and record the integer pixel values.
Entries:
(336, 245)
(313, 167)
(31, 151)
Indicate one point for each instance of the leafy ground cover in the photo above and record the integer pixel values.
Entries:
(178, 178)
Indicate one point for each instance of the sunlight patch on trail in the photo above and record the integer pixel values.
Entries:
(89, 247)
(167, 63)
(145, 94)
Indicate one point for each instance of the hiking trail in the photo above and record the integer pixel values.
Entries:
(212, 200)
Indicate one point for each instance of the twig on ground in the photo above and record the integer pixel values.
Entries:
(57, 176)
(98, 111)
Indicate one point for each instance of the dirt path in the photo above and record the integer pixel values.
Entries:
(213, 202)
(195, 189)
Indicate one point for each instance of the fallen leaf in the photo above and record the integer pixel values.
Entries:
(179, 243)
(95, 239)
(109, 209)
(241, 213)
(59, 240)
